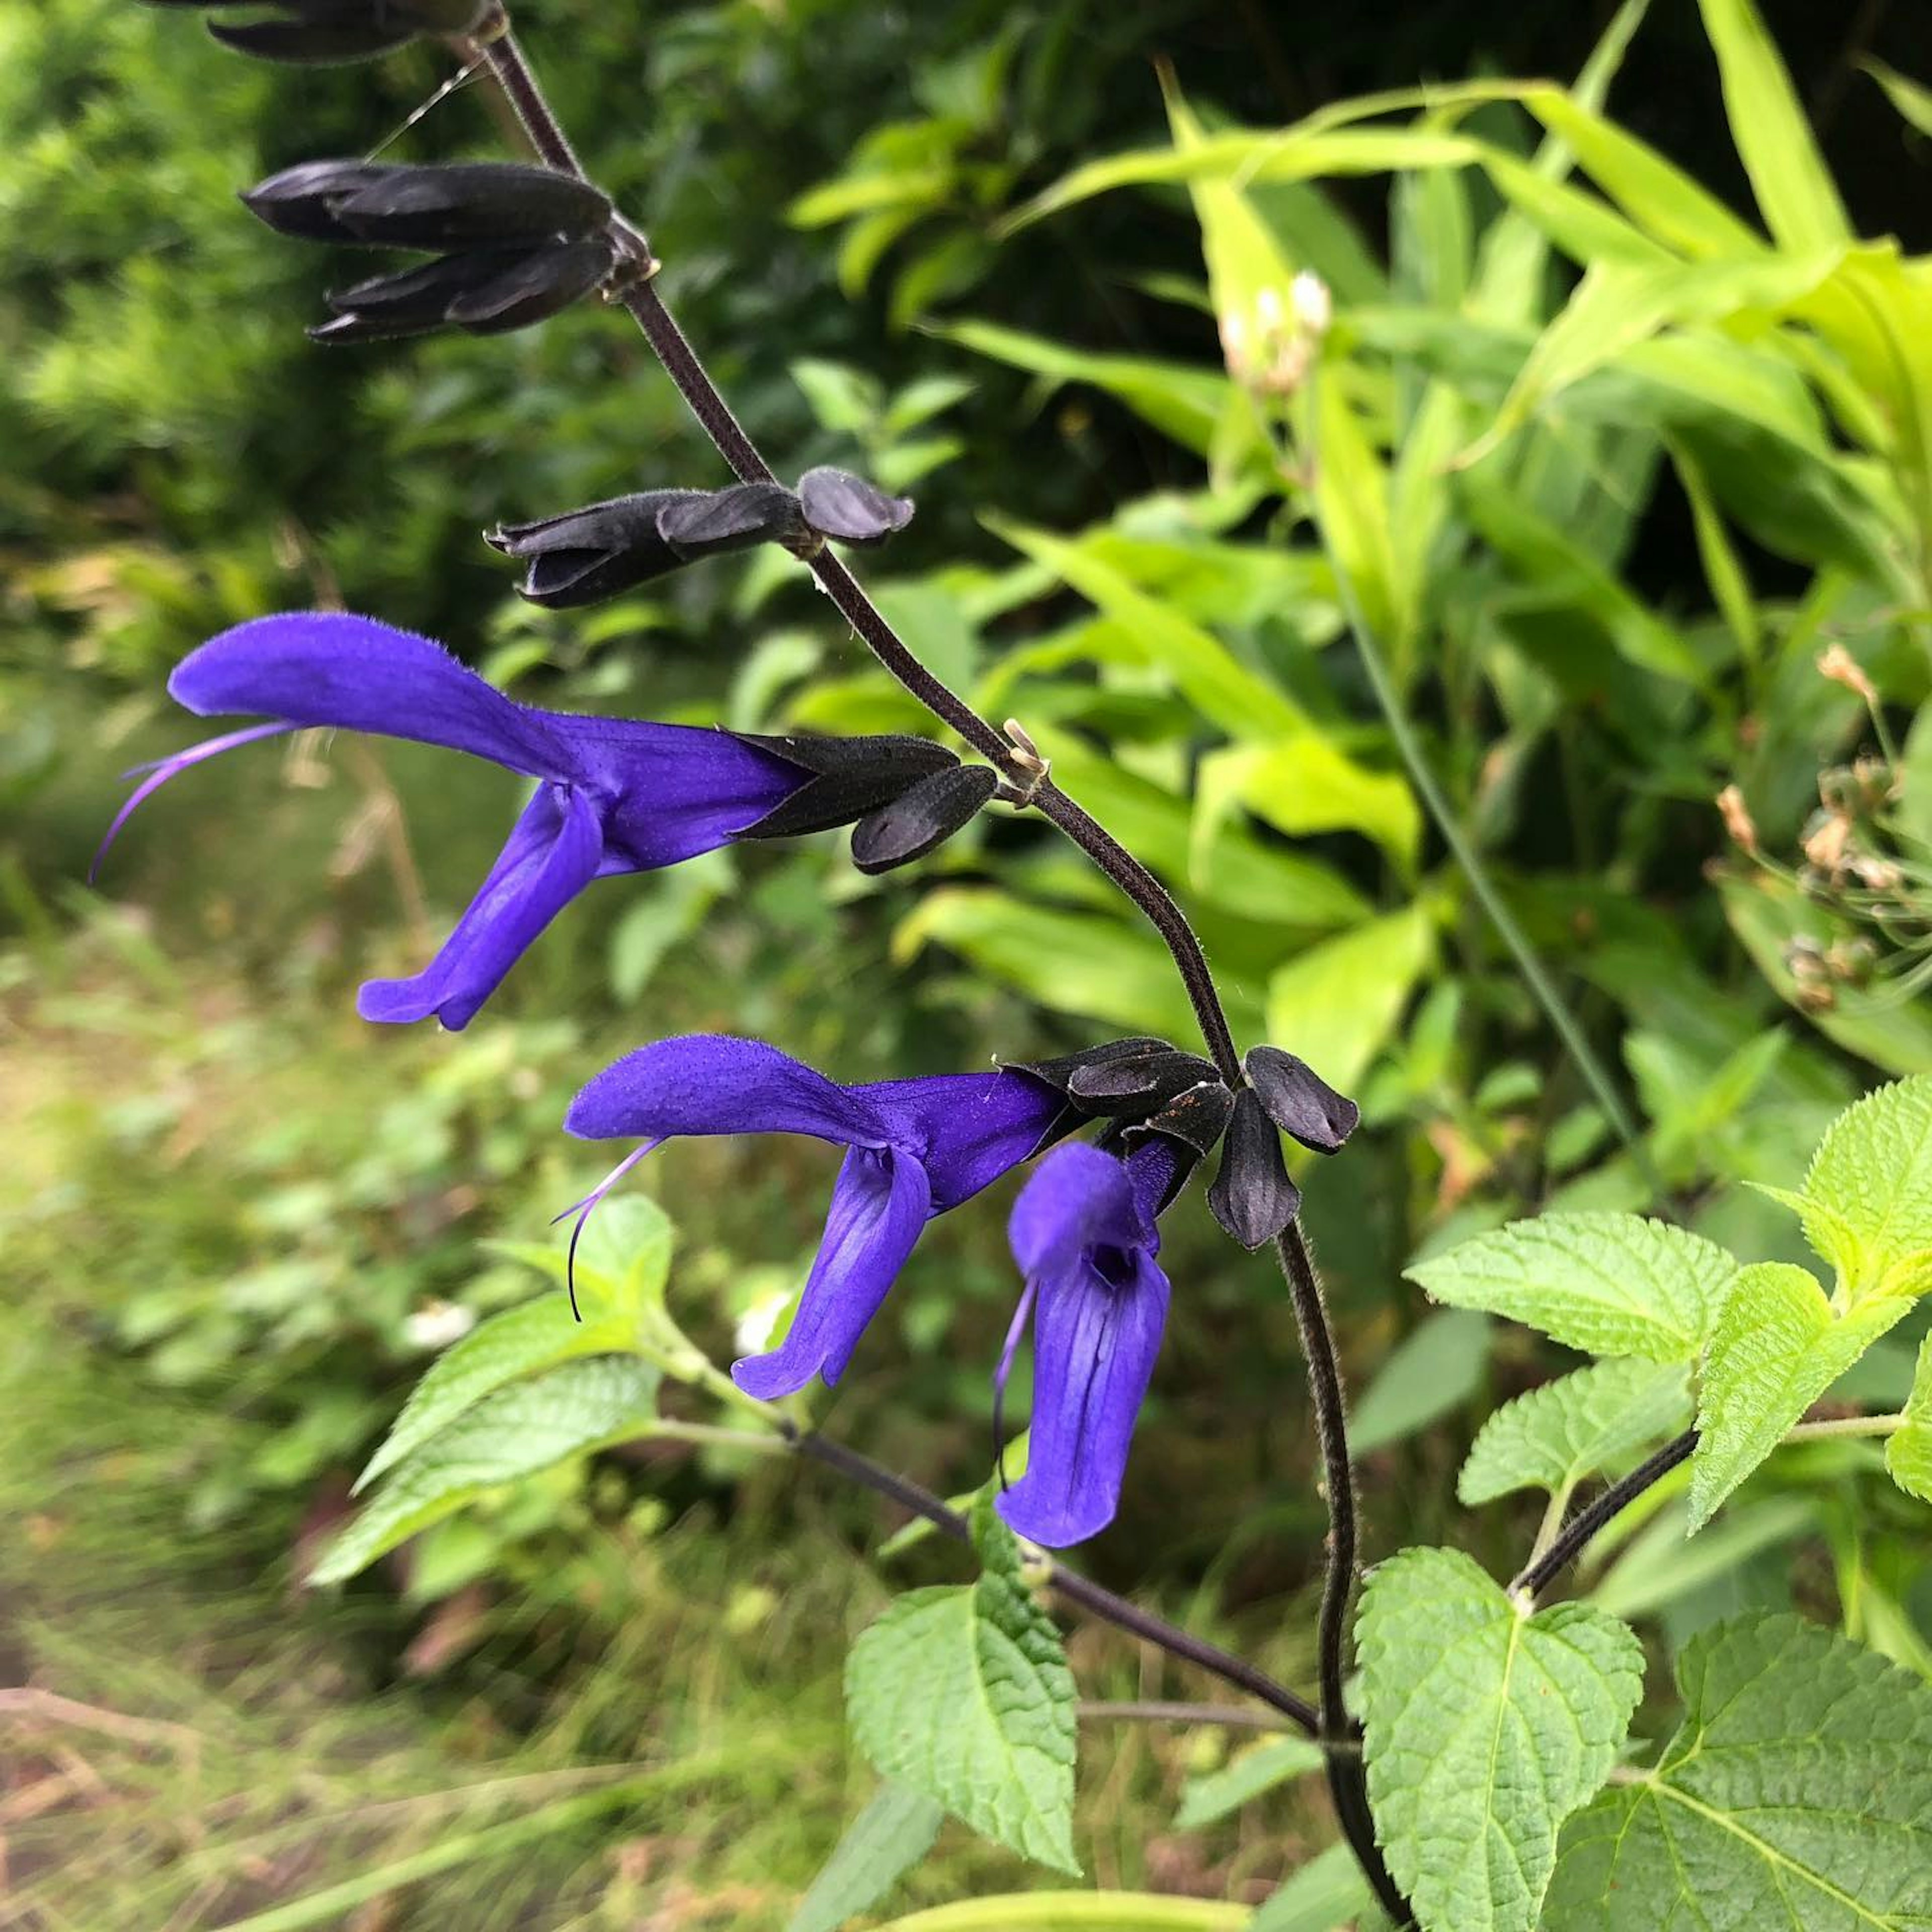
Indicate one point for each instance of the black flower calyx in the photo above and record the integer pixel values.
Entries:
(1143, 1085)
(848, 509)
(1299, 1101)
(1252, 1197)
(852, 777)
(458, 205)
(585, 556)
(1059, 1072)
(922, 817)
(321, 32)
(485, 291)
(1196, 1117)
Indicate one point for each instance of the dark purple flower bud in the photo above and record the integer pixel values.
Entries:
(921, 818)
(1252, 1198)
(605, 549)
(1136, 1083)
(838, 504)
(463, 205)
(487, 292)
(1059, 1072)
(1196, 1117)
(852, 776)
(1299, 1101)
(322, 31)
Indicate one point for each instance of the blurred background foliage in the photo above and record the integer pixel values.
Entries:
(1618, 427)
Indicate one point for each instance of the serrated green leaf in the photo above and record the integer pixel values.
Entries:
(1206, 1798)
(1601, 1419)
(1321, 1897)
(519, 1342)
(1485, 1730)
(880, 1845)
(519, 1430)
(1908, 1455)
(1779, 1345)
(1795, 1797)
(1866, 1201)
(623, 1259)
(1610, 1284)
(962, 1692)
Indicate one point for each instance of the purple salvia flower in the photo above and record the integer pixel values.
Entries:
(1084, 1233)
(915, 1148)
(614, 795)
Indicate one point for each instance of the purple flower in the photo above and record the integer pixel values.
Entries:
(613, 795)
(1084, 1234)
(915, 1148)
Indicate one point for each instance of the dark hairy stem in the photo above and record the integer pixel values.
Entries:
(1068, 1583)
(1536, 1577)
(497, 46)
(1348, 1784)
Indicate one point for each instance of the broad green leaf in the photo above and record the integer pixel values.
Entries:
(1305, 784)
(1485, 1728)
(623, 1258)
(880, 1845)
(519, 1342)
(1609, 1284)
(522, 1428)
(1913, 102)
(1796, 1796)
(1659, 1568)
(1425, 1375)
(1205, 672)
(1867, 1200)
(1204, 1799)
(1908, 1455)
(1795, 191)
(1338, 1003)
(962, 1692)
(1095, 965)
(1182, 401)
(1661, 198)
(1599, 1420)
(1779, 1345)
(1321, 1896)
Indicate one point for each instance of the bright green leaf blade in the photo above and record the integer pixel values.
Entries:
(1795, 191)
(1598, 1419)
(963, 1692)
(1338, 1003)
(1485, 1730)
(1908, 1455)
(1352, 509)
(1306, 784)
(519, 1342)
(1913, 102)
(1204, 1799)
(1658, 1567)
(1871, 1179)
(623, 1259)
(1204, 671)
(1779, 1345)
(1795, 1797)
(1321, 1897)
(1609, 1284)
(1425, 1375)
(880, 1845)
(521, 1428)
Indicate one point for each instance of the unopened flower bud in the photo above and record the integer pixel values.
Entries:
(461, 204)
(1841, 668)
(484, 291)
(321, 32)
(922, 818)
(1737, 821)
(1299, 1101)
(1314, 308)
(849, 509)
(1252, 1197)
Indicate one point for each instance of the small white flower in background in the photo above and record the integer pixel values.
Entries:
(437, 1323)
(1270, 349)
(757, 1328)
(1314, 310)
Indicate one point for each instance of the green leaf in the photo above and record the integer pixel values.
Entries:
(1658, 1568)
(1305, 784)
(1866, 1201)
(1795, 191)
(623, 1259)
(1350, 495)
(1204, 671)
(1204, 1799)
(515, 1432)
(1485, 1730)
(1339, 1002)
(880, 1845)
(1425, 1375)
(1598, 1419)
(519, 1342)
(1609, 1284)
(1909, 1454)
(1321, 1897)
(1079, 1912)
(963, 1692)
(1913, 102)
(1796, 1796)
(1779, 1345)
